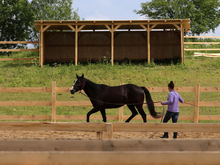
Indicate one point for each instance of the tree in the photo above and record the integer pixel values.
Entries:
(17, 18)
(203, 14)
(52, 10)
(15, 21)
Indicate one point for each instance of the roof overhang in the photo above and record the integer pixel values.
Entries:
(125, 24)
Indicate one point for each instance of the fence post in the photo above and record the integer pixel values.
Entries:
(120, 117)
(106, 135)
(196, 108)
(121, 114)
(53, 101)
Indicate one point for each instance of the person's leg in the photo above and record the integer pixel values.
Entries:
(165, 120)
(174, 120)
(167, 117)
(175, 117)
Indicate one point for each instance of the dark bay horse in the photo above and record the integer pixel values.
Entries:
(105, 97)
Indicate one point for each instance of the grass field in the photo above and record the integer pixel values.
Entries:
(195, 70)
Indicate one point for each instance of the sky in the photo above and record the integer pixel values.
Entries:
(114, 10)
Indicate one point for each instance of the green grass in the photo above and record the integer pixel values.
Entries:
(195, 70)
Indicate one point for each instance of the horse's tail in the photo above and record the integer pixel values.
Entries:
(150, 104)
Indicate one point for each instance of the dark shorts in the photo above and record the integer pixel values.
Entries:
(169, 115)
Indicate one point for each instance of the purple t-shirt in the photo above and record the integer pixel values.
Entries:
(173, 101)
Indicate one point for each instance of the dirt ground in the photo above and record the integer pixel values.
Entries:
(10, 135)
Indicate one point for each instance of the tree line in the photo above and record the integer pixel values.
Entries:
(204, 15)
(17, 17)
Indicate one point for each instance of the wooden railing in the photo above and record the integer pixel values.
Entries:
(120, 117)
(108, 152)
(201, 43)
(111, 127)
(18, 50)
(105, 152)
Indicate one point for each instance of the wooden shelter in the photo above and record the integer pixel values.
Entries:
(111, 40)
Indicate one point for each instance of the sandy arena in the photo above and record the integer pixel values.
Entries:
(10, 135)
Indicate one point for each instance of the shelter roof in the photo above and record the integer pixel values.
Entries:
(125, 24)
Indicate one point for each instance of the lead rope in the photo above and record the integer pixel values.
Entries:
(162, 115)
(160, 121)
(197, 106)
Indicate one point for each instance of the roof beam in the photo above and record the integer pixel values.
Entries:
(150, 28)
(81, 27)
(108, 28)
(71, 27)
(44, 29)
(112, 29)
(177, 27)
(116, 27)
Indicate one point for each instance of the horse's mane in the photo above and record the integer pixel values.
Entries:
(93, 83)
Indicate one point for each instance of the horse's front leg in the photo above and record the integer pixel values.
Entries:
(103, 115)
(94, 110)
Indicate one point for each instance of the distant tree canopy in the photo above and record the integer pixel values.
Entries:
(203, 14)
(15, 20)
(17, 17)
(52, 10)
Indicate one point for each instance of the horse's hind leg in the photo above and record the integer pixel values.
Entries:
(141, 111)
(134, 113)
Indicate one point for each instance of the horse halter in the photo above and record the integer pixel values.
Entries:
(83, 84)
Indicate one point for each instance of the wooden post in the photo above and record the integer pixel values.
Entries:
(148, 43)
(76, 40)
(112, 45)
(106, 135)
(120, 116)
(112, 29)
(53, 101)
(148, 29)
(42, 30)
(76, 45)
(196, 109)
(109, 128)
(181, 29)
(182, 43)
(41, 46)
(98, 135)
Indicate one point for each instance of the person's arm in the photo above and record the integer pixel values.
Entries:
(181, 99)
(169, 100)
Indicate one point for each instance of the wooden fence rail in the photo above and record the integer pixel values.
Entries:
(54, 103)
(18, 42)
(201, 43)
(110, 158)
(108, 152)
(18, 50)
(109, 145)
(110, 128)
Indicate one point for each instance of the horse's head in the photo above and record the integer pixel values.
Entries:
(78, 85)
